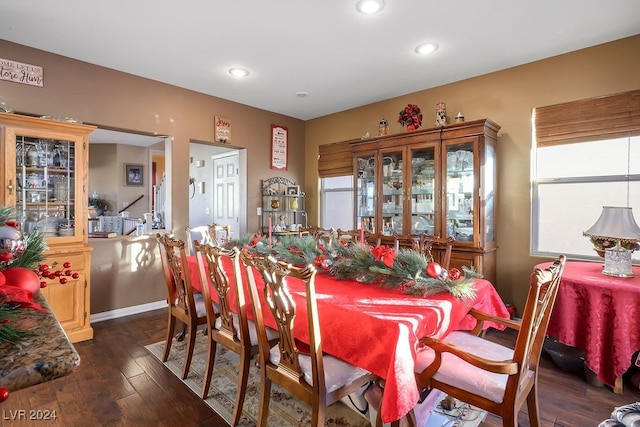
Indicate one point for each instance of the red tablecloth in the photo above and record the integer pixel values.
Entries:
(599, 314)
(377, 329)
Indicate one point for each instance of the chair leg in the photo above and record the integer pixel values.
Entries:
(211, 360)
(180, 336)
(171, 326)
(263, 406)
(243, 379)
(532, 406)
(318, 414)
(190, 345)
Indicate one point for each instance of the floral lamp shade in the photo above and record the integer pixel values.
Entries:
(617, 234)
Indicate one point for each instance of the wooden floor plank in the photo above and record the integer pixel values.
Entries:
(119, 383)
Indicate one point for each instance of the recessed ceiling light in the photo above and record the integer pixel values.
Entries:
(238, 72)
(369, 6)
(426, 48)
(302, 94)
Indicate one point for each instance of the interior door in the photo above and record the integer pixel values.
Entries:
(226, 194)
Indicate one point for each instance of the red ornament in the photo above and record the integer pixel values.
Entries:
(2, 279)
(434, 270)
(23, 278)
(4, 394)
(454, 274)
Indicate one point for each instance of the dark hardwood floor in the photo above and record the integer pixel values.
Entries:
(119, 383)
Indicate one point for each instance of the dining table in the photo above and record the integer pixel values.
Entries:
(377, 328)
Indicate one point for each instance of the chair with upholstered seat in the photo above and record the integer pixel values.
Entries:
(201, 233)
(317, 379)
(185, 305)
(230, 326)
(488, 375)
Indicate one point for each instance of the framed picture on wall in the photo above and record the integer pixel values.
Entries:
(293, 190)
(133, 174)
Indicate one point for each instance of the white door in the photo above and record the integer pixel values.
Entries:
(226, 194)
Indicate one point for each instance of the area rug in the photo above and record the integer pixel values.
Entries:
(284, 409)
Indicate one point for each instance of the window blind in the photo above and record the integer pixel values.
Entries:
(610, 116)
(335, 160)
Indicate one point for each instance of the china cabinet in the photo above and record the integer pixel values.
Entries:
(283, 206)
(45, 179)
(439, 181)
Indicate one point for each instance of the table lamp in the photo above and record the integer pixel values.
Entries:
(617, 231)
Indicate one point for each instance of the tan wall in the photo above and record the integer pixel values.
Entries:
(109, 98)
(118, 100)
(507, 97)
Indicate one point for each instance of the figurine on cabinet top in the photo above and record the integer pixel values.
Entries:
(441, 114)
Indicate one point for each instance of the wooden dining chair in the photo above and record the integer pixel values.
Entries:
(229, 326)
(487, 375)
(201, 233)
(426, 243)
(319, 233)
(347, 236)
(373, 239)
(185, 305)
(219, 234)
(303, 370)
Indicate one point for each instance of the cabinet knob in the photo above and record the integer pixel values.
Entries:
(10, 187)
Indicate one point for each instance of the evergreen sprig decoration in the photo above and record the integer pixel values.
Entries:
(382, 266)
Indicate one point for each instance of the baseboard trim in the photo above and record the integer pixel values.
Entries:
(127, 311)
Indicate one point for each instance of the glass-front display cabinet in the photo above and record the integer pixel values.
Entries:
(45, 180)
(438, 181)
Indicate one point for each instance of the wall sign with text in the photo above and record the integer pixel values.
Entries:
(279, 146)
(21, 73)
(222, 129)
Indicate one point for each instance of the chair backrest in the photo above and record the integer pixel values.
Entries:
(373, 239)
(200, 233)
(317, 232)
(279, 302)
(219, 234)
(535, 319)
(177, 281)
(229, 292)
(348, 236)
(426, 243)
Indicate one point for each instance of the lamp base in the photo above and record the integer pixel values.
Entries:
(617, 262)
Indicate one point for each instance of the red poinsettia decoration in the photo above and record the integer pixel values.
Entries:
(411, 117)
(385, 254)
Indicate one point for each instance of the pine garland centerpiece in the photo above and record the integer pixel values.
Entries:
(405, 269)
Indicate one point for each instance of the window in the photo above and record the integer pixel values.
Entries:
(581, 161)
(336, 202)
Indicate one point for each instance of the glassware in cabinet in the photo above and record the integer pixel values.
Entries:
(365, 192)
(393, 191)
(423, 194)
(460, 190)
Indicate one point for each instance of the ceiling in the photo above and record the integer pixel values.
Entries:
(339, 57)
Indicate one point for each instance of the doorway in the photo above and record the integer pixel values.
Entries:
(226, 194)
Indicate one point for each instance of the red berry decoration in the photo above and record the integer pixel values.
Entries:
(43, 284)
(454, 274)
(63, 280)
(4, 394)
(434, 270)
(67, 272)
(75, 275)
(67, 264)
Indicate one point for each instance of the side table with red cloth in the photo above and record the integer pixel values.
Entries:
(599, 314)
(377, 329)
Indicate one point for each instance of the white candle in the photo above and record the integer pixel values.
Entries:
(269, 231)
(362, 233)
